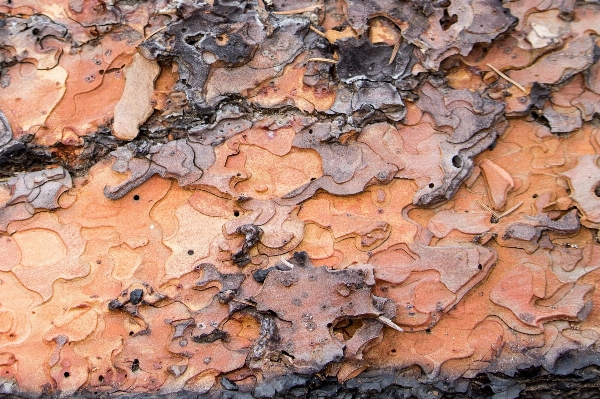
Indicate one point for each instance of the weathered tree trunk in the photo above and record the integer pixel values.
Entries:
(282, 198)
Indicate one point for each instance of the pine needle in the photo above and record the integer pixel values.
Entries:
(244, 302)
(507, 78)
(495, 214)
(322, 60)
(298, 11)
(318, 32)
(390, 323)
(155, 32)
(511, 210)
(394, 52)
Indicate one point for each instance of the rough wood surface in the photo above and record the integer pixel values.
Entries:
(283, 198)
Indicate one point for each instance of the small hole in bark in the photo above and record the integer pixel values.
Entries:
(534, 196)
(236, 213)
(130, 333)
(346, 328)
(431, 185)
(191, 40)
(136, 197)
(456, 161)
(479, 266)
(66, 374)
(135, 365)
(428, 331)
(101, 378)
(393, 351)
(190, 252)
(35, 31)
(597, 190)
(447, 21)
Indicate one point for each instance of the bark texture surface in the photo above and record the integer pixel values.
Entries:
(283, 198)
